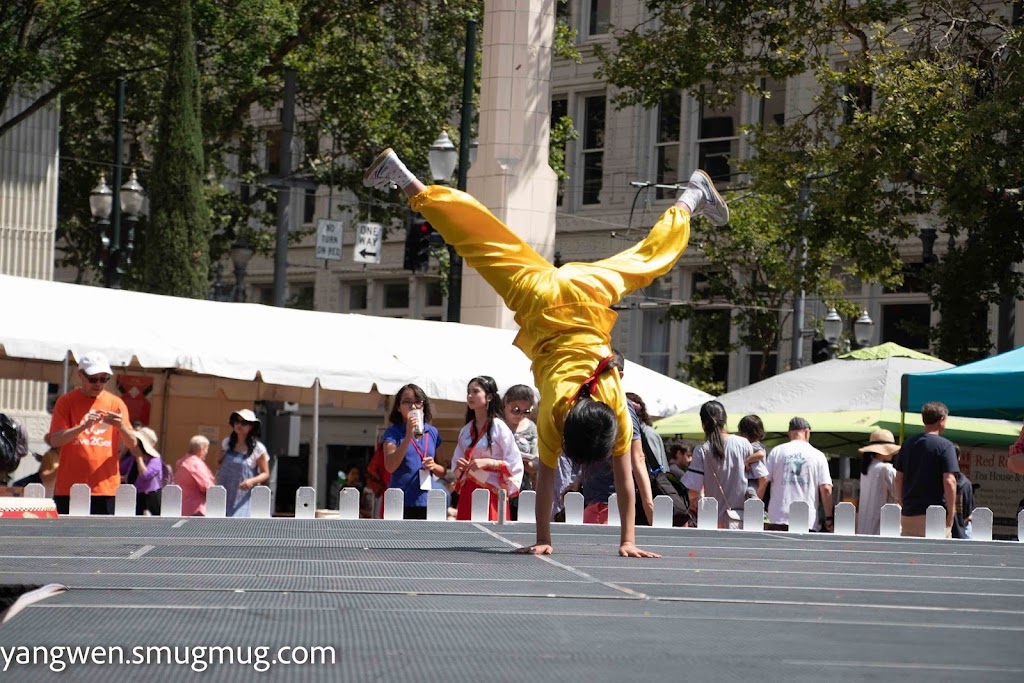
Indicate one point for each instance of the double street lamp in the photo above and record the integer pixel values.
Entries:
(832, 330)
(114, 247)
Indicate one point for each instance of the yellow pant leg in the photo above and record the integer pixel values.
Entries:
(487, 245)
(612, 278)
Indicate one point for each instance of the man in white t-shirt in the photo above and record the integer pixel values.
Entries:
(799, 471)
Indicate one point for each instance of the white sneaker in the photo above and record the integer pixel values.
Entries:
(387, 170)
(711, 205)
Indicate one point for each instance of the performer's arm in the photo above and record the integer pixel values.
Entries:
(622, 469)
(642, 479)
(545, 500)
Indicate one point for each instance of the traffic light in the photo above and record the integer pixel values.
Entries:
(417, 244)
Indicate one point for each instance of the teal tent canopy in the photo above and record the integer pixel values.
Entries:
(989, 388)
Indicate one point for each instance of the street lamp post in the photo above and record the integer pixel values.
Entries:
(832, 330)
(111, 244)
(863, 329)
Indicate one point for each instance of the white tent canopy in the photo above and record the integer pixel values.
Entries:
(356, 358)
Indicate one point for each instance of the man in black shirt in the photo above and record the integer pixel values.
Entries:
(926, 471)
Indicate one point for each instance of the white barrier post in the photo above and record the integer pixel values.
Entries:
(1020, 524)
(394, 504)
(527, 507)
(80, 503)
(259, 503)
(348, 503)
(753, 514)
(889, 523)
(437, 506)
(217, 502)
(124, 501)
(502, 506)
(845, 522)
(35, 490)
(935, 522)
(613, 510)
(573, 507)
(170, 501)
(981, 524)
(707, 513)
(799, 517)
(662, 512)
(481, 505)
(305, 503)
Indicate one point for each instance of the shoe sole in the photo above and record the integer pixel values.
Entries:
(368, 175)
(721, 201)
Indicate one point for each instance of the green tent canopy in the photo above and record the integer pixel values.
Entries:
(844, 399)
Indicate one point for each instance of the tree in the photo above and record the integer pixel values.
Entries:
(176, 258)
(942, 129)
(370, 74)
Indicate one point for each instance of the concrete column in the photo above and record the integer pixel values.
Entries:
(511, 176)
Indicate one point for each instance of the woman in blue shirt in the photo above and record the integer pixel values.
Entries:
(409, 459)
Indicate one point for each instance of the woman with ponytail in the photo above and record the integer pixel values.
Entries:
(718, 467)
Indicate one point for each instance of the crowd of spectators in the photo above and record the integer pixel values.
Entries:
(94, 443)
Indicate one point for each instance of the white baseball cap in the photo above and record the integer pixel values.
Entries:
(94, 363)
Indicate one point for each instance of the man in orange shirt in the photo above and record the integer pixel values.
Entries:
(88, 426)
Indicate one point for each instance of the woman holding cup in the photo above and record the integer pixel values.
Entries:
(409, 447)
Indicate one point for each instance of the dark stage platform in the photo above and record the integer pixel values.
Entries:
(446, 601)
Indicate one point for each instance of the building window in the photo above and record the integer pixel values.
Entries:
(433, 295)
(907, 324)
(301, 297)
(773, 106)
(559, 111)
(593, 148)
(273, 152)
(756, 373)
(718, 140)
(396, 295)
(600, 17)
(654, 349)
(262, 295)
(667, 145)
(357, 297)
(858, 98)
(707, 360)
(309, 206)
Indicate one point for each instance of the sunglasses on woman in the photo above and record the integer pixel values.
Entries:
(516, 410)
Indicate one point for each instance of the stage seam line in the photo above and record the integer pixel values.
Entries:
(140, 552)
(180, 523)
(908, 665)
(572, 570)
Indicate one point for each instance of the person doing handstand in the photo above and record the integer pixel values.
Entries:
(565, 321)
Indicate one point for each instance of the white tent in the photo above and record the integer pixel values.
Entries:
(252, 352)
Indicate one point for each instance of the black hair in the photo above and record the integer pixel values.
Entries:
(677, 448)
(495, 408)
(520, 392)
(751, 428)
(865, 461)
(640, 407)
(588, 435)
(712, 419)
(396, 415)
(250, 439)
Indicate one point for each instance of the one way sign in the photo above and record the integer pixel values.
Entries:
(368, 242)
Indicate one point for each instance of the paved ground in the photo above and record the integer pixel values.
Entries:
(423, 601)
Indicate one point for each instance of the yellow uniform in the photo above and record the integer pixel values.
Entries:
(563, 313)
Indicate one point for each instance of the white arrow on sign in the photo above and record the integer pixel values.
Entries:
(328, 239)
(369, 237)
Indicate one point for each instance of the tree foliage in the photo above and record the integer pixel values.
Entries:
(176, 258)
(938, 138)
(371, 73)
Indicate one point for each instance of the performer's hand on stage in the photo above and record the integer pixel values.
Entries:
(630, 550)
(535, 549)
